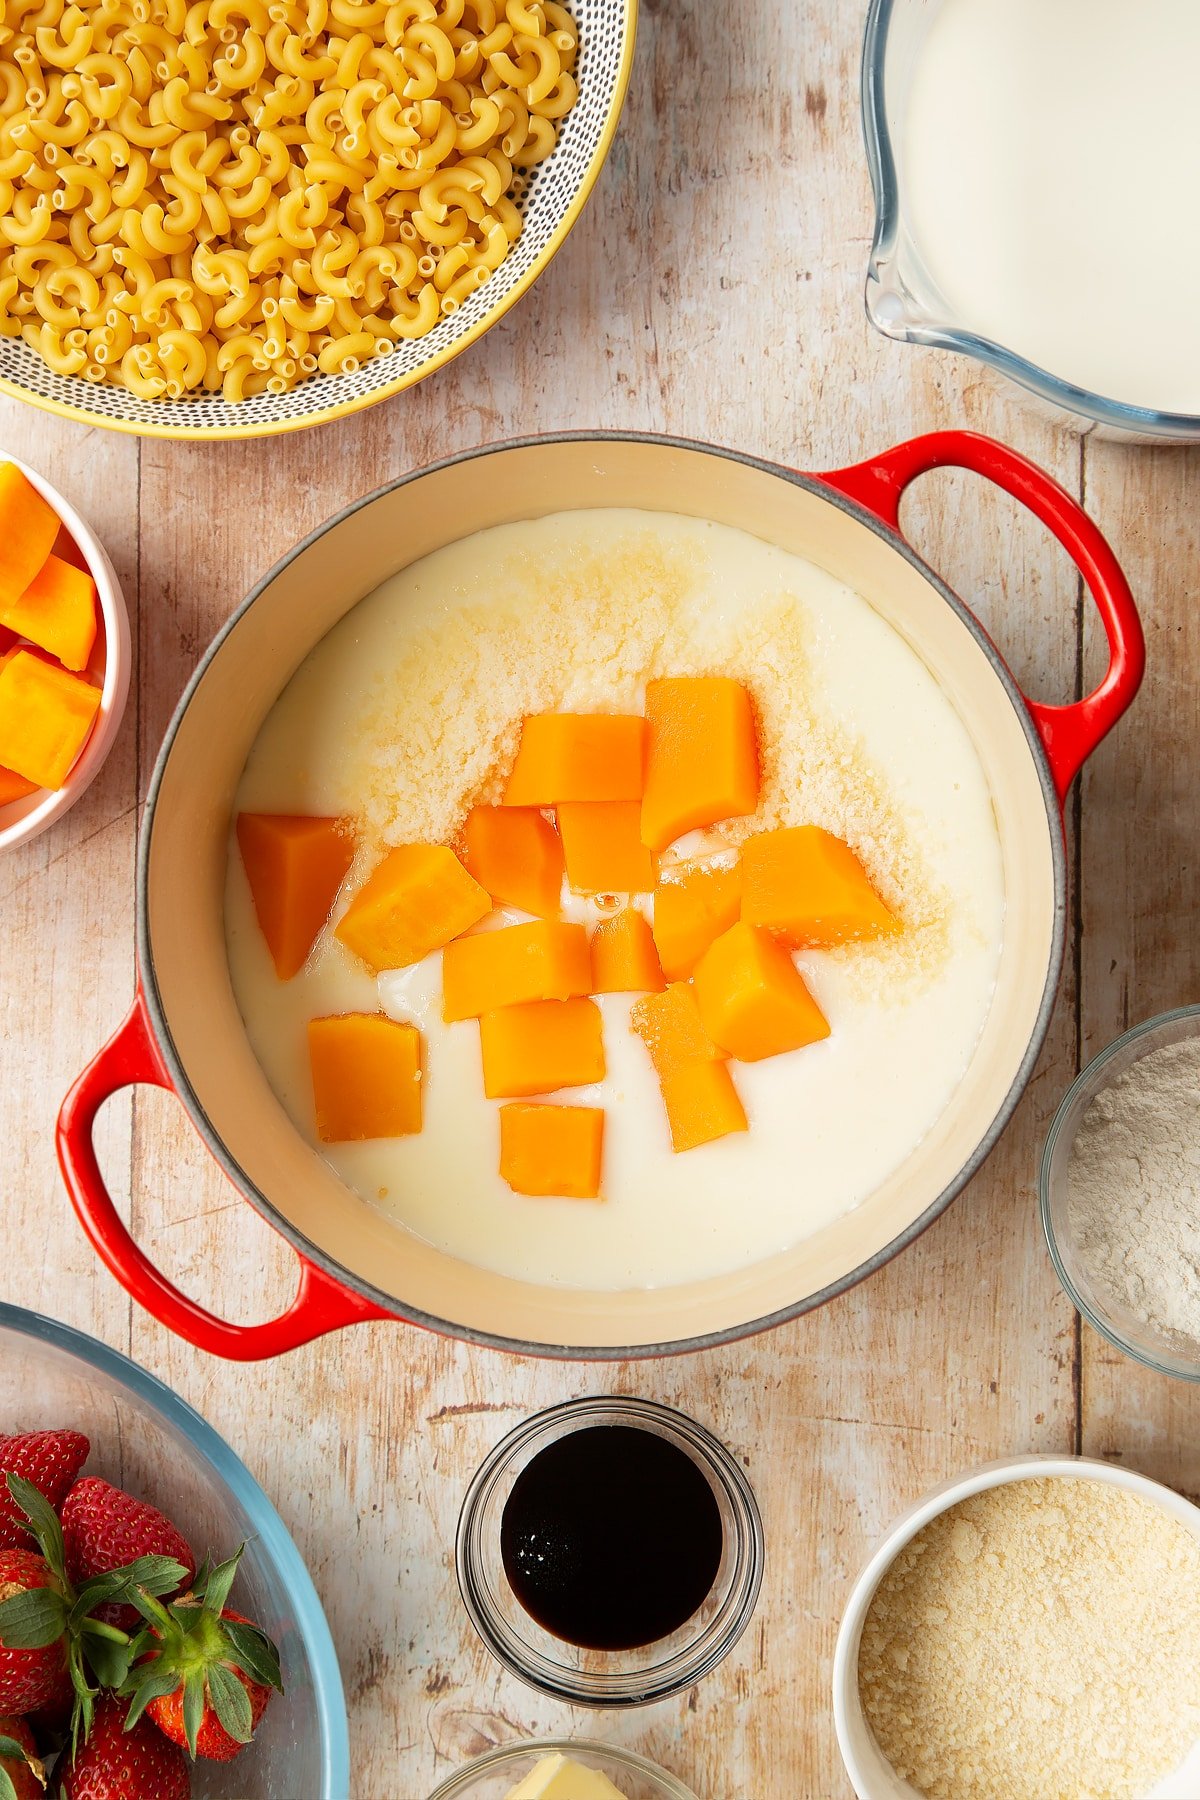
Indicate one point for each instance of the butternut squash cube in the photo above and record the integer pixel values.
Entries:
(295, 865)
(418, 898)
(545, 960)
(28, 528)
(540, 1047)
(624, 960)
(57, 611)
(603, 848)
(46, 714)
(701, 756)
(693, 904)
(702, 1104)
(14, 786)
(808, 887)
(366, 1074)
(517, 856)
(670, 1026)
(554, 1150)
(753, 1000)
(577, 756)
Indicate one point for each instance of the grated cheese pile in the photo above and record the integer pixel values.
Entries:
(583, 631)
(1040, 1641)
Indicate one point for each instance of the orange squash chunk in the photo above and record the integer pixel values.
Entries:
(702, 1104)
(693, 904)
(56, 611)
(46, 714)
(545, 960)
(28, 528)
(577, 756)
(603, 847)
(752, 998)
(517, 856)
(552, 1150)
(418, 898)
(808, 887)
(624, 960)
(540, 1047)
(366, 1074)
(670, 1026)
(295, 866)
(14, 786)
(697, 1089)
(701, 756)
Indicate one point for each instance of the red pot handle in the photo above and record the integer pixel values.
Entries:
(1069, 733)
(321, 1304)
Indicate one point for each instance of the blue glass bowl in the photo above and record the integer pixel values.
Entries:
(144, 1438)
(903, 301)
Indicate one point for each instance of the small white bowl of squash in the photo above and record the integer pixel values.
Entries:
(65, 654)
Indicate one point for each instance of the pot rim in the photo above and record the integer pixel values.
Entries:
(392, 1303)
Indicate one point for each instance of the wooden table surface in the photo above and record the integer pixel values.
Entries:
(713, 288)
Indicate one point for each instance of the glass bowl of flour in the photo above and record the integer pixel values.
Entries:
(1120, 1193)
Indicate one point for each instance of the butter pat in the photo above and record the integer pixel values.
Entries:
(557, 1778)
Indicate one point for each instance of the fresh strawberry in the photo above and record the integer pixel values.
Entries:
(50, 1460)
(118, 1764)
(20, 1767)
(212, 1740)
(31, 1672)
(48, 1625)
(207, 1672)
(105, 1529)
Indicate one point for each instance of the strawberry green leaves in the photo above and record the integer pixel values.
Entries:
(203, 1672)
(254, 1653)
(32, 1620)
(11, 1751)
(98, 1655)
(231, 1703)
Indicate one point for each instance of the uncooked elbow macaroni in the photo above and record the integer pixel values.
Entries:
(233, 195)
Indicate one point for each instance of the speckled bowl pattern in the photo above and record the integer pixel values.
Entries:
(1153, 1348)
(550, 197)
(110, 664)
(493, 1777)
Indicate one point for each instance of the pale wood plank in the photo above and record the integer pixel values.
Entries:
(1142, 879)
(66, 944)
(712, 289)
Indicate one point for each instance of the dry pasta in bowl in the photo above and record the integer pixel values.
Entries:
(239, 216)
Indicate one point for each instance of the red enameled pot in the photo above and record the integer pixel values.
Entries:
(184, 1031)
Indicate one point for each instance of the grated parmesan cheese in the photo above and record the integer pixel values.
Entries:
(583, 629)
(1039, 1641)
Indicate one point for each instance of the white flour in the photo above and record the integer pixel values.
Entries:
(1134, 1189)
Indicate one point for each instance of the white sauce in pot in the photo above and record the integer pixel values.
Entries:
(575, 611)
(1048, 155)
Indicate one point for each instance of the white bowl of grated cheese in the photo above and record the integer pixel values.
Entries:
(1042, 1658)
(1120, 1193)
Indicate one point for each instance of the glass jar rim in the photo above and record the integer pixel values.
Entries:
(742, 1526)
(459, 1783)
(1087, 1084)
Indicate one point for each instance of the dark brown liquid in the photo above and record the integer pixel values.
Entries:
(611, 1537)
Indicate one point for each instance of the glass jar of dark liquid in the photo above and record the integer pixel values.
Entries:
(610, 1551)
